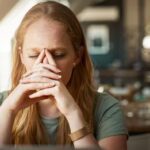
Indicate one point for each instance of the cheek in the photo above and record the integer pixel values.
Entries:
(28, 63)
(66, 72)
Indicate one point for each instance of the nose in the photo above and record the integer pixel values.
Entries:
(49, 58)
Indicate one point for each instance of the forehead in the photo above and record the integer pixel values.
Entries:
(46, 34)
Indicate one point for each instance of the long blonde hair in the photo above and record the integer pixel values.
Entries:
(27, 127)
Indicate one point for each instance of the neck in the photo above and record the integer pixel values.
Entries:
(48, 108)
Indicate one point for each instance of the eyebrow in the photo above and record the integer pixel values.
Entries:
(51, 50)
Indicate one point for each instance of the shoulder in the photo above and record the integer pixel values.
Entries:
(109, 117)
(105, 102)
(3, 95)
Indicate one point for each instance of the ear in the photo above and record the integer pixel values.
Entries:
(21, 54)
(79, 54)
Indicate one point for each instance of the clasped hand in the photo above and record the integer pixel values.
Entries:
(43, 80)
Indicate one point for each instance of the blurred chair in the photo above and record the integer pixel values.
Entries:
(139, 142)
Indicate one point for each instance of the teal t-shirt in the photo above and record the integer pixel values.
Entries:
(108, 118)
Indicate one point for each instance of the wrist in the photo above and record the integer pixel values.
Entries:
(74, 113)
(7, 108)
(77, 122)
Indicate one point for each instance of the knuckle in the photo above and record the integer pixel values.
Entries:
(41, 65)
(39, 71)
(58, 84)
(23, 87)
(58, 87)
(30, 86)
(42, 84)
(45, 92)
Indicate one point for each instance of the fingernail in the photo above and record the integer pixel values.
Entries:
(59, 76)
(59, 71)
(53, 83)
(30, 96)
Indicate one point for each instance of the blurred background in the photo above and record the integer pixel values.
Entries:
(118, 39)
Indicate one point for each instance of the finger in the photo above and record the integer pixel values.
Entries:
(27, 74)
(45, 61)
(34, 69)
(48, 67)
(36, 80)
(50, 58)
(37, 86)
(35, 100)
(42, 73)
(40, 57)
(41, 66)
(44, 92)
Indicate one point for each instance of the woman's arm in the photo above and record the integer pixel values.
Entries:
(17, 100)
(67, 106)
(114, 143)
(6, 121)
(76, 122)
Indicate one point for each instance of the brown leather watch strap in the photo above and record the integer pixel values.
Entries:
(79, 133)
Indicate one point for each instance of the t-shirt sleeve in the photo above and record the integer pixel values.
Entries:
(3, 95)
(109, 117)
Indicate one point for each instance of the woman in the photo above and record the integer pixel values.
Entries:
(52, 100)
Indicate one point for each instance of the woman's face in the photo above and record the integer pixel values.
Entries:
(53, 36)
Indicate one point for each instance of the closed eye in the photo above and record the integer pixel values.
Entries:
(59, 56)
(33, 56)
